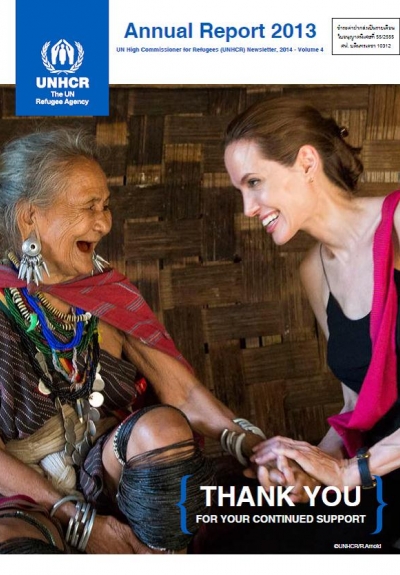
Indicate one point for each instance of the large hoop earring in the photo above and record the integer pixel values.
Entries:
(32, 263)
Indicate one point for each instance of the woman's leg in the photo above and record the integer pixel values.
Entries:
(154, 448)
(157, 428)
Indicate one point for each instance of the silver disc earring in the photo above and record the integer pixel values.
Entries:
(32, 263)
(99, 263)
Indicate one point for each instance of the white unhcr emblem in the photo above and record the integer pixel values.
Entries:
(60, 53)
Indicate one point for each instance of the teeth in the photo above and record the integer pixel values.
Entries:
(269, 219)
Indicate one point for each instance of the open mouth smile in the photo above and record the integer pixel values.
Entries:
(85, 247)
(270, 219)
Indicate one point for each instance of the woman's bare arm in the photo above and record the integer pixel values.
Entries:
(174, 384)
(332, 442)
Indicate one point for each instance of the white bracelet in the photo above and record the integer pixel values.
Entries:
(247, 426)
(231, 442)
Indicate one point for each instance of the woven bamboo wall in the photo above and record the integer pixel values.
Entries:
(230, 298)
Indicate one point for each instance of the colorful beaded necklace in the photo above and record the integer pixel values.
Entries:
(49, 335)
(53, 340)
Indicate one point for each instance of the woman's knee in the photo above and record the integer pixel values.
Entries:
(151, 428)
(156, 428)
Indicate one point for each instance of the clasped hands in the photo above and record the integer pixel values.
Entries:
(287, 462)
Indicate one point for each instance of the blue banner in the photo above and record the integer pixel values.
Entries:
(62, 54)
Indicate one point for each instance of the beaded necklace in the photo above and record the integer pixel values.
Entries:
(66, 318)
(53, 339)
(50, 336)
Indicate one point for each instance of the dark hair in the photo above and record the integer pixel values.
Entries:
(280, 126)
(34, 169)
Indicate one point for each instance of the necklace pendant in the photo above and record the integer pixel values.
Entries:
(69, 431)
(84, 447)
(94, 414)
(69, 449)
(98, 384)
(43, 389)
(76, 458)
(91, 428)
(82, 409)
(42, 363)
(33, 320)
(96, 399)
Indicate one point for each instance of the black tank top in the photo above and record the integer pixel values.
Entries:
(349, 343)
(349, 352)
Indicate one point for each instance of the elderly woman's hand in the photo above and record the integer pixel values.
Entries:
(287, 473)
(315, 462)
(110, 536)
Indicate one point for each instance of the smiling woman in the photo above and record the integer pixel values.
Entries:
(72, 226)
(296, 171)
(271, 191)
(270, 154)
(75, 339)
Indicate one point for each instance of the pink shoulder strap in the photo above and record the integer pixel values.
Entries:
(379, 389)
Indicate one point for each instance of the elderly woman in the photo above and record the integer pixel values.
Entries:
(296, 171)
(74, 337)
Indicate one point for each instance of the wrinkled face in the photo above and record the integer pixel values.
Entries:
(72, 226)
(276, 194)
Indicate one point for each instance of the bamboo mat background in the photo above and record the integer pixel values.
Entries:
(230, 298)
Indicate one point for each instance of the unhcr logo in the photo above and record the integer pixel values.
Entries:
(62, 66)
(60, 53)
(62, 58)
